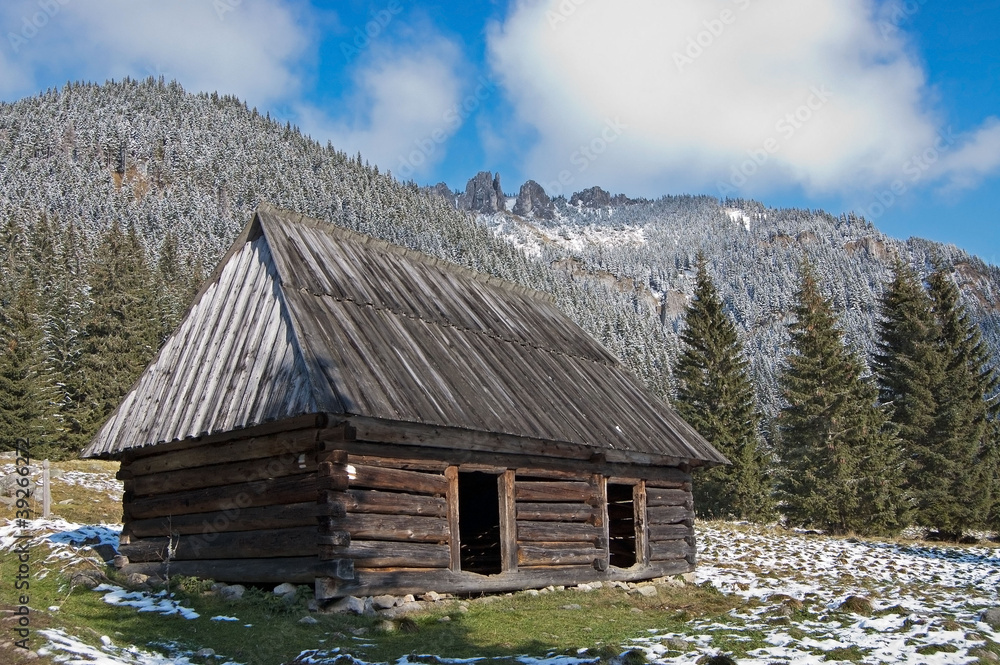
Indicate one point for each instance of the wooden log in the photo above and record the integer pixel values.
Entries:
(387, 503)
(454, 537)
(660, 550)
(274, 491)
(332, 476)
(668, 514)
(333, 538)
(602, 518)
(640, 502)
(557, 532)
(553, 490)
(495, 462)
(658, 496)
(311, 426)
(407, 464)
(398, 480)
(295, 541)
(557, 554)
(555, 512)
(224, 474)
(670, 531)
(237, 519)
(369, 582)
(297, 570)
(289, 445)
(508, 522)
(404, 528)
(381, 554)
(677, 480)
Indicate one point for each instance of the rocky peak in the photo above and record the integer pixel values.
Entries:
(532, 200)
(594, 197)
(483, 194)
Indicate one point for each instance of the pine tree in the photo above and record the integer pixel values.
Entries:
(23, 412)
(840, 462)
(715, 396)
(961, 469)
(122, 326)
(908, 363)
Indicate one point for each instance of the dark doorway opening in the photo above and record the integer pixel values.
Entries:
(621, 525)
(479, 522)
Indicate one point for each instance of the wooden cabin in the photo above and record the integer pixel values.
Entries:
(339, 410)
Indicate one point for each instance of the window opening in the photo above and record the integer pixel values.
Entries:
(621, 525)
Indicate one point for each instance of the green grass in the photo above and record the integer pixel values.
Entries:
(506, 627)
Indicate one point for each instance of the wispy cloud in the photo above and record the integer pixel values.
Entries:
(744, 95)
(399, 114)
(251, 49)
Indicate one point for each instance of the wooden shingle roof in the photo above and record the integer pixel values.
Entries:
(303, 317)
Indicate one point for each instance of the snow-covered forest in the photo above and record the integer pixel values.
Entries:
(93, 174)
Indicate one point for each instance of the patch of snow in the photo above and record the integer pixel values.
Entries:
(738, 215)
(64, 648)
(224, 618)
(159, 602)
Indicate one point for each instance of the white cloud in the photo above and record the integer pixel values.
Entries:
(758, 93)
(406, 105)
(250, 49)
(974, 160)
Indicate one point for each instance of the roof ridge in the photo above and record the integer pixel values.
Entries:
(350, 235)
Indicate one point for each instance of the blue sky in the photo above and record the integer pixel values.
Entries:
(887, 108)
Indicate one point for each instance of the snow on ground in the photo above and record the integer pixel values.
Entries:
(96, 481)
(925, 599)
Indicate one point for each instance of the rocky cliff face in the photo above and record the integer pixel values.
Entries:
(594, 197)
(532, 200)
(483, 194)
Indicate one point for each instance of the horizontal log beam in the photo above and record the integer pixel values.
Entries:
(658, 496)
(369, 582)
(663, 550)
(554, 512)
(224, 474)
(557, 532)
(237, 519)
(387, 503)
(297, 570)
(557, 555)
(384, 478)
(382, 554)
(668, 514)
(404, 528)
(670, 531)
(276, 491)
(275, 445)
(552, 490)
(295, 541)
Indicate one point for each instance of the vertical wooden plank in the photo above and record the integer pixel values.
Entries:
(641, 527)
(508, 522)
(600, 484)
(454, 541)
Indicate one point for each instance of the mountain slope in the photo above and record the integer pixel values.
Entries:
(169, 164)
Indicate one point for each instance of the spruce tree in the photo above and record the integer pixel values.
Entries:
(960, 472)
(715, 395)
(841, 468)
(122, 325)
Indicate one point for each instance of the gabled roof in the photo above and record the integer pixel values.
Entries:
(302, 317)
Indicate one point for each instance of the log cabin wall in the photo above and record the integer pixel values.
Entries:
(241, 510)
(561, 522)
(670, 516)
